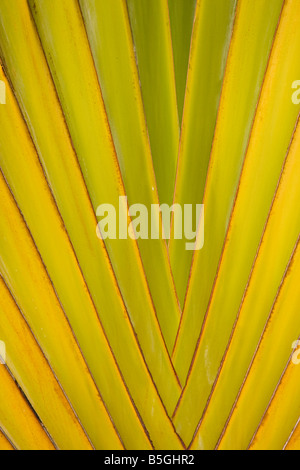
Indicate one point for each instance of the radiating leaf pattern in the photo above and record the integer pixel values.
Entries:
(137, 343)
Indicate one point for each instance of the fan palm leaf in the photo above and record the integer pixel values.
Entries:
(135, 342)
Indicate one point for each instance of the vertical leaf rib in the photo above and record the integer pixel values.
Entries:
(153, 47)
(25, 276)
(282, 413)
(182, 14)
(280, 235)
(34, 89)
(209, 47)
(77, 85)
(246, 67)
(268, 364)
(34, 375)
(4, 442)
(294, 440)
(20, 166)
(118, 75)
(17, 419)
(258, 184)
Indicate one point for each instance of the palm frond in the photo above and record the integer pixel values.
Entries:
(136, 342)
